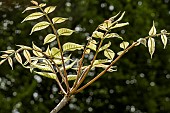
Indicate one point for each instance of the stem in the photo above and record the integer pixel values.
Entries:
(61, 51)
(60, 105)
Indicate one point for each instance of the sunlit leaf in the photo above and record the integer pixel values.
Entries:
(101, 61)
(36, 47)
(2, 61)
(92, 46)
(71, 77)
(4, 56)
(120, 18)
(48, 52)
(87, 51)
(27, 55)
(151, 46)
(56, 20)
(68, 66)
(107, 24)
(24, 47)
(47, 74)
(113, 18)
(97, 34)
(112, 35)
(59, 61)
(69, 46)
(119, 25)
(33, 16)
(142, 41)
(8, 51)
(152, 30)
(42, 5)
(120, 52)
(104, 66)
(37, 51)
(105, 46)
(40, 26)
(164, 40)
(18, 58)
(124, 45)
(55, 52)
(10, 62)
(42, 67)
(34, 2)
(109, 54)
(49, 9)
(30, 8)
(49, 38)
(64, 31)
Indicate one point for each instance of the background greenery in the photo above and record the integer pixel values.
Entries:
(140, 85)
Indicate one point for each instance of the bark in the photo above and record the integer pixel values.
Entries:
(60, 105)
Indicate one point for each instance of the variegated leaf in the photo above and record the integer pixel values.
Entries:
(34, 2)
(49, 38)
(97, 34)
(164, 40)
(55, 52)
(49, 9)
(42, 67)
(36, 47)
(2, 61)
(10, 62)
(57, 20)
(8, 51)
(142, 41)
(120, 52)
(18, 58)
(48, 52)
(30, 8)
(120, 18)
(27, 55)
(47, 74)
(109, 54)
(71, 77)
(33, 16)
(69, 46)
(40, 26)
(151, 46)
(104, 66)
(105, 46)
(4, 56)
(64, 31)
(119, 25)
(92, 46)
(152, 30)
(112, 35)
(124, 45)
(101, 61)
(42, 5)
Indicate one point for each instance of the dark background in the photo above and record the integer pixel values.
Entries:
(140, 85)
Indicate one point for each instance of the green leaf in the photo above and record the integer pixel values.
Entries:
(152, 30)
(49, 38)
(69, 46)
(64, 31)
(33, 16)
(47, 74)
(71, 77)
(57, 20)
(124, 45)
(120, 25)
(164, 40)
(30, 8)
(97, 34)
(109, 54)
(105, 46)
(49, 9)
(55, 52)
(151, 46)
(18, 58)
(40, 26)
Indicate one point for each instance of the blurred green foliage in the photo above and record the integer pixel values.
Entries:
(140, 85)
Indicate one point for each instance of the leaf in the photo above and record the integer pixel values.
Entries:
(97, 34)
(49, 9)
(112, 18)
(101, 61)
(120, 25)
(18, 58)
(24, 47)
(124, 45)
(37, 51)
(34, 2)
(151, 46)
(164, 40)
(48, 52)
(49, 38)
(55, 52)
(4, 56)
(10, 62)
(71, 77)
(33, 16)
(8, 51)
(92, 46)
(40, 26)
(104, 66)
(120, 52)
(36, 47)
(109, 54)
(142, 41)
(64, 31)
(87, 51)
(47, 74)
(68, 66)
(2, 61)
(30, 8)
(42, 67)
(27, 55)
(69, 46)
(105, 46)
(152, 30)
(57, 20)
(112, 35)
(59, 61)
(120, 18)
(42, 5)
